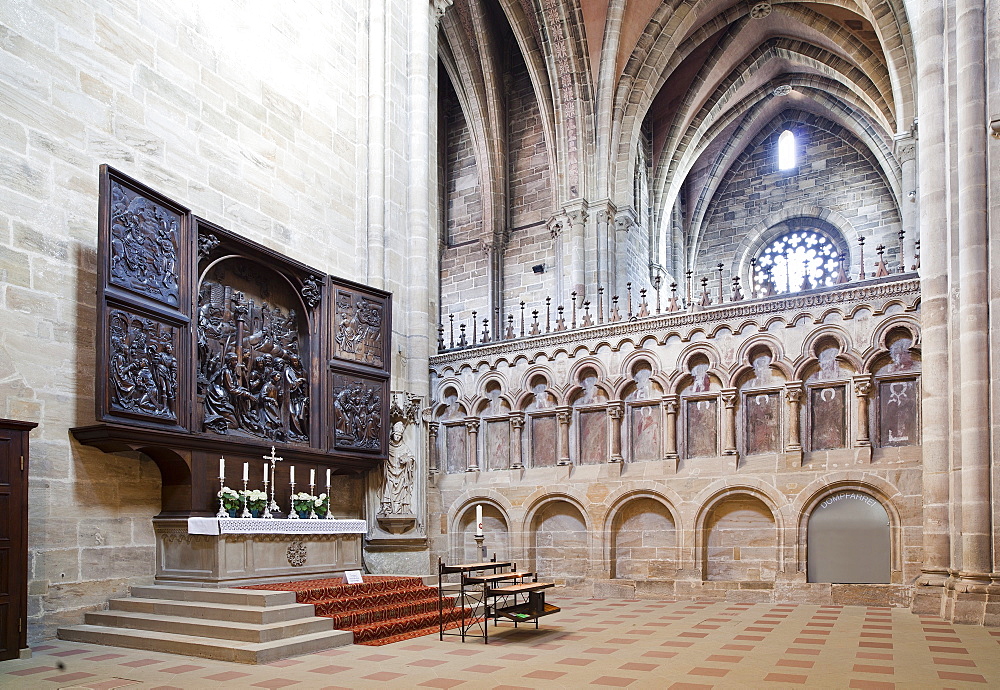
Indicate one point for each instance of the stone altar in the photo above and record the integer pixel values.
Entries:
(241, 554)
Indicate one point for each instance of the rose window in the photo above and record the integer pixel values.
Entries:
(798, 260)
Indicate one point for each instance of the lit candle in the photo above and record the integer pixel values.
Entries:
(291, 474)
(479, 520)
(312, 476)
(222, 468)
(246, 471)
(328, 479)
(265, 473)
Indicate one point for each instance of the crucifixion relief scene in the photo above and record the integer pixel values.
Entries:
(626, 343)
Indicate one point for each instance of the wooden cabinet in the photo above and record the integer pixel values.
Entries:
(13, 537)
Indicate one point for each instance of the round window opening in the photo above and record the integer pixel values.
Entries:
(799, 260)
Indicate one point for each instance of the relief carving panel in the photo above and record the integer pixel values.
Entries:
(145, 241)
(142, 366)
(357, 412)
(252, 379)
(359, 322)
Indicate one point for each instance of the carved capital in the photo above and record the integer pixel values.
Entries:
(577, 215)
(729, 397)
(556, 225)
(626, 220)
(517, 420)
(862, 386)
(440, 7)
(433, 428)
(793, 391)
(671, 402)
(616, 409)
(472, 426)
(904, 146)
(564, 415)
(605, 212)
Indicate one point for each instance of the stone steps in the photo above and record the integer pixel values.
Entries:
(245, 626)
(221, 630)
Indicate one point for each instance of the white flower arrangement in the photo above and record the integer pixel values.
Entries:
(303, 501)
(255, 499)
(230, 498)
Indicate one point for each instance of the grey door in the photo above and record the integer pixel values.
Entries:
(847, 540)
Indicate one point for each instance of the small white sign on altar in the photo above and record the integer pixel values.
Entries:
(353, 577)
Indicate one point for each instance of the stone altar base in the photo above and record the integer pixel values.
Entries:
(230, 560)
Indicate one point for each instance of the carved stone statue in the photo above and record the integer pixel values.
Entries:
(397, 487)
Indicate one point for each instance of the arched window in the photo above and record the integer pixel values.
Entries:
(799, 260)
(786, 151)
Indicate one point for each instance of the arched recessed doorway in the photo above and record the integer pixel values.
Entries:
(847, 540)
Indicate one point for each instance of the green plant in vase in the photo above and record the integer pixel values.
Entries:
(302, 503)
(230, 500)
(255, 500)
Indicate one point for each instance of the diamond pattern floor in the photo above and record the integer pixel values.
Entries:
(684, 645)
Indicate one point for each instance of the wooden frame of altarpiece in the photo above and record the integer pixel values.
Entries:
(209, 344)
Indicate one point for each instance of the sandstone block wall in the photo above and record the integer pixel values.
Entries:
(255, 120)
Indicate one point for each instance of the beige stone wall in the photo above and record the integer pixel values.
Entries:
(256, 120)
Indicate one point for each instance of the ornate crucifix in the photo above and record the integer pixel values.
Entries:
(274, 459)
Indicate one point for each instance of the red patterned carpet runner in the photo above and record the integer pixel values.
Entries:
(382, 610)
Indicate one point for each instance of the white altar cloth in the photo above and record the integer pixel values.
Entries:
(215, 526)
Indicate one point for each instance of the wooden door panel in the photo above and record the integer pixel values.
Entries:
(6, 464)
(13, 537)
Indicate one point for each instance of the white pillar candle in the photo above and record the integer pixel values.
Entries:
(246, 471)
(312, 476)
(479, 520)
(265, 473)
(291, 474)
(222, 468)
(327, 478)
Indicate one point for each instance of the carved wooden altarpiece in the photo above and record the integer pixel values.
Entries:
(210, 344)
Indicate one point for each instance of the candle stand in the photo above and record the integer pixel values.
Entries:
(246, 511)
(267, 504)
(312, 503)
(292, 513)
(222, 509)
